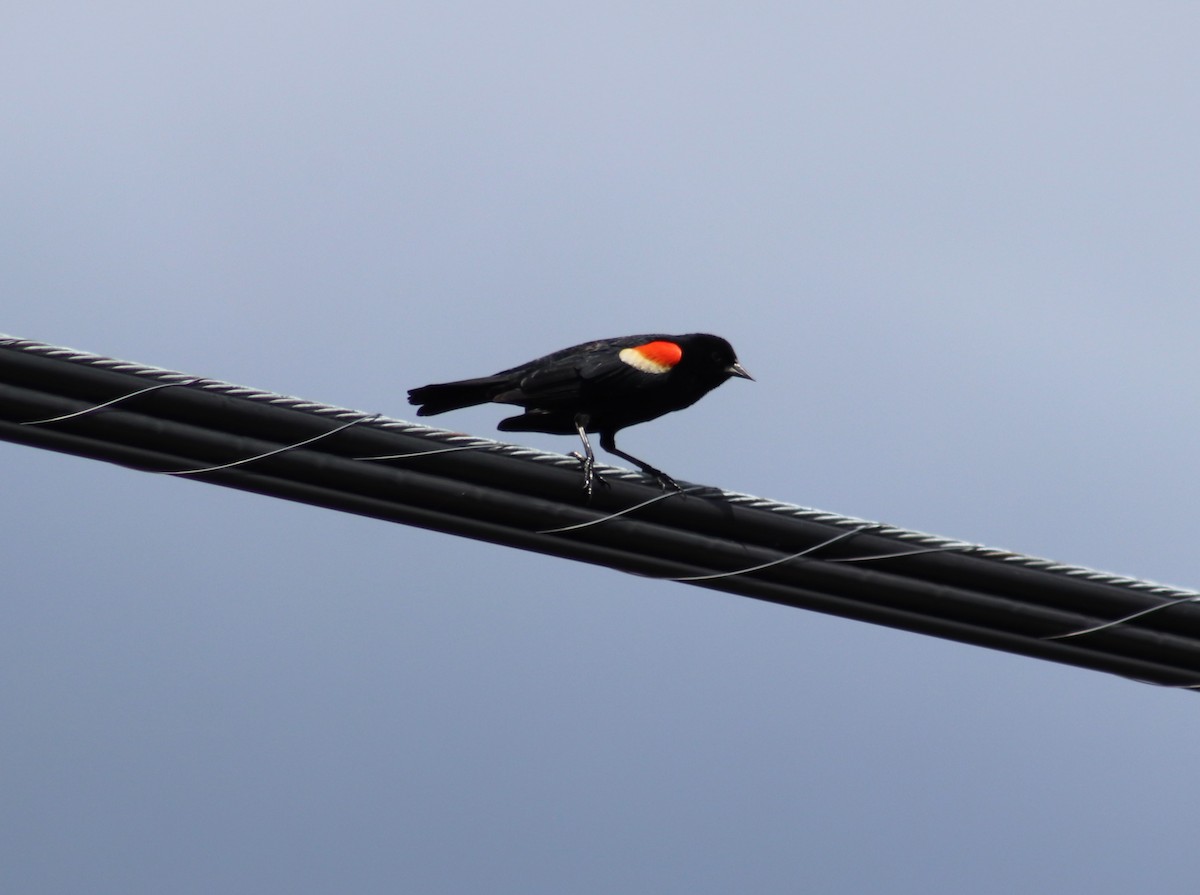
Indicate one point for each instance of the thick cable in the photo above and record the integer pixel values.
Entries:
(85, 404)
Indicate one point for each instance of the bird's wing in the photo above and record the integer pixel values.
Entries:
(612, 364)
(636, 364)
(547, 382)
(556, 381)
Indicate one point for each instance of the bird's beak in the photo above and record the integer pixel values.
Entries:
(736, 369)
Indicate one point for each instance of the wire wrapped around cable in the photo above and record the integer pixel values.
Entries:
(165, 422)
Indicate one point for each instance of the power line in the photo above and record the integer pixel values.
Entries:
(165, 422)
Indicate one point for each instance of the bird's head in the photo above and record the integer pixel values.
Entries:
(714, 355)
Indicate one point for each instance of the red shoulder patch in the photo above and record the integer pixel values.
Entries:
(653, 357)
(666, 354)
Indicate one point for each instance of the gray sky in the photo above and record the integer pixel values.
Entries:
(956, 245)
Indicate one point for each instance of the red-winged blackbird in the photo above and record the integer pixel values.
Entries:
(600, 386)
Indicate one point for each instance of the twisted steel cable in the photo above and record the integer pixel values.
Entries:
(165, 422)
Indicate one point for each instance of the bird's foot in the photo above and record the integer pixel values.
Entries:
(590, 476)
(664, 481)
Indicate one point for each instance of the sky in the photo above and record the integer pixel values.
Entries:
(954, 243)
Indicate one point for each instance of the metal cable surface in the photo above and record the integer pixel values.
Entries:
(166, 422)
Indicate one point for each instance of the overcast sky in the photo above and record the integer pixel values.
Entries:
(955, 243)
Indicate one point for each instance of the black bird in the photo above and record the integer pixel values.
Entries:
(600, 386)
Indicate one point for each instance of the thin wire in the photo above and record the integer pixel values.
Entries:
(271, 453)
(945, 548)
(1123, 620)
(445, 450)
(774, 562)
(611, 516)
(97, 407)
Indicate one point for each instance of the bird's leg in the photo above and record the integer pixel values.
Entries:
(608, 441)
(588, 458)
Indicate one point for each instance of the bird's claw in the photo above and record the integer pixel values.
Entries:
(665, 481)
(590, 476)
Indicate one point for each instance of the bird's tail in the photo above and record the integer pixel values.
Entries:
(439, 398)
